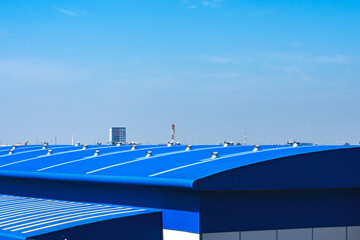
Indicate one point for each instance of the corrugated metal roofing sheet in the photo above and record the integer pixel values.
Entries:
(167, 166)
(22, 217)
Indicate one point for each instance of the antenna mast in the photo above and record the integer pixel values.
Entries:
(173, 132)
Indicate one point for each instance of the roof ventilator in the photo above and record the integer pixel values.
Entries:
(188, 147)
(13, 147)
(97, 153)
(77, 144)
(215, 154)
(49, 152)
(118, 144)
(44, 146)
(133, 147)
(11, 151)
(85, 147)
(228, 143)
(148, 153)
(296, 144)
(256, 148)
(170, 144)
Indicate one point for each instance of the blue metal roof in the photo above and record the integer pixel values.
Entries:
(235, 167)
(22, 217)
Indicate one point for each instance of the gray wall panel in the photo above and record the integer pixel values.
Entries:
(295, 234)
(353, 233)
(259, 235)
(334, 233)
(222, 236)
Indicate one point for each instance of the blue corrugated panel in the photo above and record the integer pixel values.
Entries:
(197, 193)
(22, 218)
(176, 167)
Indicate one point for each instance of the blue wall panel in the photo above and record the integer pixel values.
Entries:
(260, 210)
(145, 227)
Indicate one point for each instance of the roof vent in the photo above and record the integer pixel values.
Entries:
(11, 151)
(85, 147)
(44, 146)
(97, 153)
(256, 148)
(49, 152)
(296, 144)
(133, 147)
(170, 144)
(148, 153)
(13, 147)
(118, 144)
(77, 144)
(188, 147)
(228, 143)
(214, 154)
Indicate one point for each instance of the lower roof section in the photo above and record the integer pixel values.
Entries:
(203, 168)
(35, 218)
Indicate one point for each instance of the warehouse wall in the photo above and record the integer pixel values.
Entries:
(257, 210)
(331, 233)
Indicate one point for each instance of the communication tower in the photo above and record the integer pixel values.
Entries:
(173, 132)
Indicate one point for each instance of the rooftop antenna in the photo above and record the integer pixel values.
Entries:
(72, 139)
(244, 140)
(173, 132)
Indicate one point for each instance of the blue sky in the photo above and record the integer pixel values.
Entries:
(277, 70)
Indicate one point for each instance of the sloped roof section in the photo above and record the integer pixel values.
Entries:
(205, 167)
(24, 218)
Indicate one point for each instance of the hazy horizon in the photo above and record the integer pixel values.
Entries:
(275, 70)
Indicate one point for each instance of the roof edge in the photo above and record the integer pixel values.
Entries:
(117, 180)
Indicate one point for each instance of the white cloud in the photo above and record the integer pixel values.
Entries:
(66, 12)
(30, 71)
(339, 58)
(193, 4)
(295, 44)
(307, 58)
(211, 3)
(219, 60)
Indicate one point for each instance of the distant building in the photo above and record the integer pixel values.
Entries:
(117, 134)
